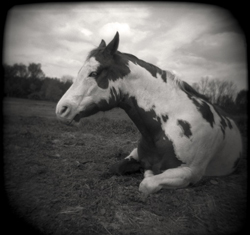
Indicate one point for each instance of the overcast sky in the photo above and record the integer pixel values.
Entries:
(193, 40)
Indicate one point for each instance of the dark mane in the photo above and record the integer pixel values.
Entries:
(191, 91)
(150, 67)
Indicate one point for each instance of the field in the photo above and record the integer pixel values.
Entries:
(57, 181)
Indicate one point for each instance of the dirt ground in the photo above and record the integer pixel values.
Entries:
(57, 181)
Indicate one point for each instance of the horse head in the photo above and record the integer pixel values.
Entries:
(93, 89)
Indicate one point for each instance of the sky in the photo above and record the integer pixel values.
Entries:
(194, 40)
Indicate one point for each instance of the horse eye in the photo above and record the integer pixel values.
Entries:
(93, 74)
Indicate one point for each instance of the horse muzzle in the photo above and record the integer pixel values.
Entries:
(68, 114)
(65, 112)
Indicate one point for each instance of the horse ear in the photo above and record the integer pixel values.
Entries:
(113, 45)
(102, 44)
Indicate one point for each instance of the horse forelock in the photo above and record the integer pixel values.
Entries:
(96, 53)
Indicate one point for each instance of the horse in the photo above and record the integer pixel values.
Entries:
(183, 136)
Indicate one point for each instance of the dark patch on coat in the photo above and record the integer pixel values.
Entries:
(115, 96)
(111, 67)
(186, 127)
(223, 126)
(113, 101)
(89, 110)
(229, 123)
(164, 76)
(224, 121)
(156, 151)
(205, 110)
(165, 118)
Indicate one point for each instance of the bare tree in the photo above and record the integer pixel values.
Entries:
(203, 85)
(226, 91)
(212, 90)
(220, 92)
(35, 71)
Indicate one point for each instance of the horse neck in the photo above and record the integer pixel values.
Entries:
(145, 97)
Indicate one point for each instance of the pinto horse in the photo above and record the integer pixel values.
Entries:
(183, 136)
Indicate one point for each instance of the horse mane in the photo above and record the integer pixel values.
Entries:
(184, 86)
(154, 70)
(189, 90)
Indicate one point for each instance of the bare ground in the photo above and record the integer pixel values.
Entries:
(57, 181)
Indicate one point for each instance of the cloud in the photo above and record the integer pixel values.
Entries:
(130, 37)
(86, 32)
(108, 30)
(135, 13)
(227, 47)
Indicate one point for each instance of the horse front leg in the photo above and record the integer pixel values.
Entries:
(173, 178)
(133, 155)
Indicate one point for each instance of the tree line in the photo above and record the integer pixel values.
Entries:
(30, 82)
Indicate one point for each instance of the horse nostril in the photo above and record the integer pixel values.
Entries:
(64, 110)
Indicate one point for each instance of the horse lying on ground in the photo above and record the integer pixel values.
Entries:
(183, 136)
